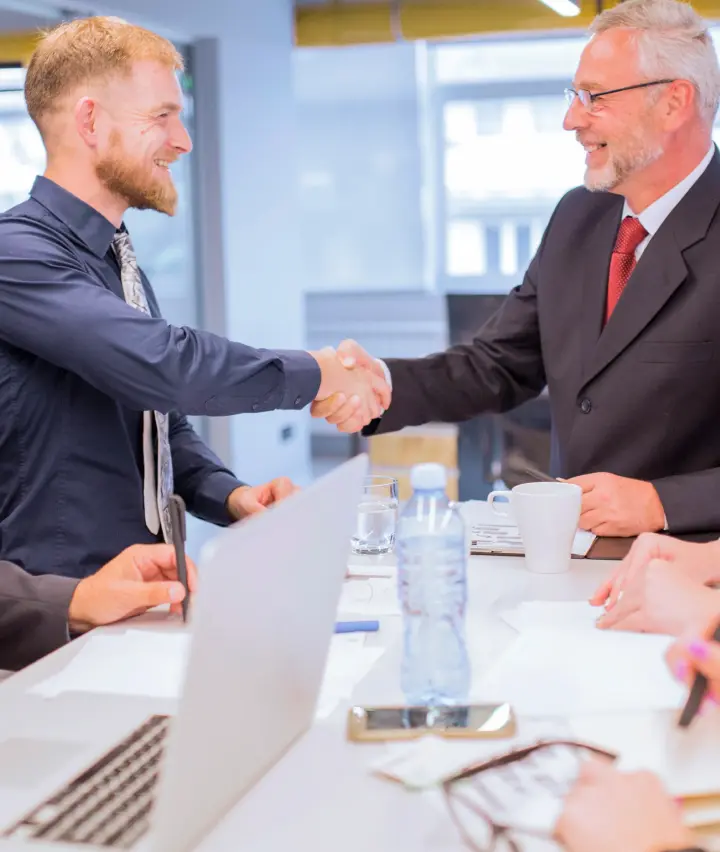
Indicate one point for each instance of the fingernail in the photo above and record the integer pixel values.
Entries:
(698, 649)
(347, 362)
(681, 670)
(176, 593)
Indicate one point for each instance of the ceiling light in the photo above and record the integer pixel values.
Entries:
(566, 8)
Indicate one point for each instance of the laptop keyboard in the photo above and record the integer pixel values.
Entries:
(109, 804)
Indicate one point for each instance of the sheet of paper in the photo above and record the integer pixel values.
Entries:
(377, 596)
(431, 759)
(550, 672)
(149, 663)
(137, 662)
(561, 615)
(347, 664)
(686, 759)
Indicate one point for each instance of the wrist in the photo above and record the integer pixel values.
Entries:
(332, 374)
(232, 504)
(659, 518)
(79, 618)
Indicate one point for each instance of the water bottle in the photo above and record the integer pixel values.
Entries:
(432, 587)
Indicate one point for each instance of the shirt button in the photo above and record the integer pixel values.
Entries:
(298, 400)
(585, 405)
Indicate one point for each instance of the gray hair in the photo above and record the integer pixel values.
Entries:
(673, 42)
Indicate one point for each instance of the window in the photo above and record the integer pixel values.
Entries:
(504, 160)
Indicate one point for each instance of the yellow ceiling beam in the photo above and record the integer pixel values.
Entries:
(17, 47)
(345, 23)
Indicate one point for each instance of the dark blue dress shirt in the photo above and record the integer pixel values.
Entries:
(78, 366)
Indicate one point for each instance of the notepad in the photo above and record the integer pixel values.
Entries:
(556, 672)
(495, 539)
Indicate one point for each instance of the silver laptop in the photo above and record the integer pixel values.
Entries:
(262, 622)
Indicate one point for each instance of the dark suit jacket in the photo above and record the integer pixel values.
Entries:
(33, 615)
(639, 398)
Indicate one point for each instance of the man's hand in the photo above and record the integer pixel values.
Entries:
(141, 577)
(618, 506)
(701, 562)
(351, 412)
(610, 810)
(662, 599)
(251, 499)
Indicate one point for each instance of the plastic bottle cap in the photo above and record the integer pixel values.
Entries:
(428, 477)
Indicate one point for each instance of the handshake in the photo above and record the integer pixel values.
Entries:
(353, 389)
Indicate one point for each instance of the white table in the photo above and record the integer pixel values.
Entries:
(321, 795)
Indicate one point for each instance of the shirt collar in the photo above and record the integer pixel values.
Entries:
(656, 213)
(83, 220)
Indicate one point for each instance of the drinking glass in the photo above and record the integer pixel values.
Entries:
(377, 516)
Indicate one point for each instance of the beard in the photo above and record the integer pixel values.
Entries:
(635, 155)
(135, 183)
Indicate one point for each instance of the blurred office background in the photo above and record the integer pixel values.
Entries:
(382, 172)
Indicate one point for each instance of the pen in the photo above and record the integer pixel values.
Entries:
(697, 693)
(357, 626)
(176, 505)
(538, 475)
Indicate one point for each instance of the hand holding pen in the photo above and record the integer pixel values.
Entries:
(176, 505)
(697, 662)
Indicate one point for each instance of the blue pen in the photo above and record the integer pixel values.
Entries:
(357, 626)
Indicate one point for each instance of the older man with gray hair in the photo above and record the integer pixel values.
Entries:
(619, 311)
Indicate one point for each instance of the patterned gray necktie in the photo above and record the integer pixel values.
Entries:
(157, 487)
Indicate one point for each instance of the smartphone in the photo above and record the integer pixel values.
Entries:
(486, 721)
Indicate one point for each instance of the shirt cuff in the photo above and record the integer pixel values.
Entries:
(210, 500)
(302, 378)
(386, 370)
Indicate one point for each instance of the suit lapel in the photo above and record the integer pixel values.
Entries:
(596, 265)
(659, 272)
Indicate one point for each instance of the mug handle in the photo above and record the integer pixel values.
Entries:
(494, 506)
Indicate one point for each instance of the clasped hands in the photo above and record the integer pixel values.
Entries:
(353, 388)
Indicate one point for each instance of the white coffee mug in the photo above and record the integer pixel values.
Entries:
(547, 515)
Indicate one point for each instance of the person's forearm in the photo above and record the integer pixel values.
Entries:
(142, 361)
(34, 615)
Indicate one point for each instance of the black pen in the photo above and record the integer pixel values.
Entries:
(176, 505)
(697, 693)
(538, 475)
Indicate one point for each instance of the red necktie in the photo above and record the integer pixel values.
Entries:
(622, 261)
